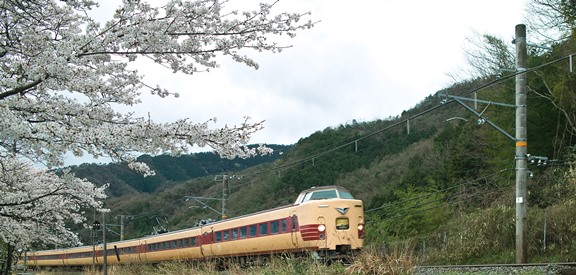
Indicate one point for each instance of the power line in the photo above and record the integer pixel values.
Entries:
(438, 191)
(407, 120)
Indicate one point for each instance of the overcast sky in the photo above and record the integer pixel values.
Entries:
(365, 60)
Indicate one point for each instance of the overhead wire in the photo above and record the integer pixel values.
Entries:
(406, 120)
(437, 191)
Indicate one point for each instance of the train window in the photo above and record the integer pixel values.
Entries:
(243, 232)
(193, 241)
(253, 230)
(294, 223)
(324, 194)
(163, 245)
(179, 243)
(307, 197)
(185, 242)
(218, 236)
(226, 235)
(234, 233)
(174, 244)
(345, 195)
(274, 227)
(284, 224)
(263, 229)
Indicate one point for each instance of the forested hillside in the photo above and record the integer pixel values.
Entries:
(437, 181)
(169, 170)
(420, 174)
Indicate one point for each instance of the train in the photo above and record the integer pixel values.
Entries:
(325, 222)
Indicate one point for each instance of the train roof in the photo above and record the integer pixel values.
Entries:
(316, 188)
(314, 193)
(323, 193)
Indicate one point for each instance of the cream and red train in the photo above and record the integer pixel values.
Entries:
(326, 221)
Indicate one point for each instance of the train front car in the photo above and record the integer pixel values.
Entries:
(331, 221)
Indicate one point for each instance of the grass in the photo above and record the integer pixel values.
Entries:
(367, 262)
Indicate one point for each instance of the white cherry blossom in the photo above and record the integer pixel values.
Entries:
(62, 74)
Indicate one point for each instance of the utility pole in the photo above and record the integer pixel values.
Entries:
(224, 196)
(104, 261)
(122, 227)
(521, 146)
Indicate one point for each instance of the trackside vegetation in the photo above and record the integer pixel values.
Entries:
(438, 184)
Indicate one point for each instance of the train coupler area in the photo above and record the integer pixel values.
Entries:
(343, 249)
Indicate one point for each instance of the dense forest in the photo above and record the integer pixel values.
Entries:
(168, 170)
(437, 181)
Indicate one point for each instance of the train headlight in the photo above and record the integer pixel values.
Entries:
(321, 228)
(361, 231)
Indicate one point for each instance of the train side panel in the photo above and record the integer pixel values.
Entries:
(46, 258)
(325, 219)
(178, 245)
(262, 233)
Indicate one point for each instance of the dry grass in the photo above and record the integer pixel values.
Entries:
(367, 262)
(372, 262)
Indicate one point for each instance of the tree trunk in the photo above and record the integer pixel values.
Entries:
(7, 264)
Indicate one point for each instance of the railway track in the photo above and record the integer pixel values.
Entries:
(536, 268)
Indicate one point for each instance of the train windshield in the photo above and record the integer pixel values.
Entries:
(345, 195)
(324, 195)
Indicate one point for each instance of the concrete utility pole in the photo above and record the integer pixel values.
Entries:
(224, 196)
(521, 146)
(104, 252)
(122, 227)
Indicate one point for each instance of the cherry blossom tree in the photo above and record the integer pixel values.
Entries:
(63, 76)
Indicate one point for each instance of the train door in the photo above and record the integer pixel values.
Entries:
(64, 258)
(207, 235)
(98, 254)
(293, 227)
(142, 251)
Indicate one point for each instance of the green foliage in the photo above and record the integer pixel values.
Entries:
(353, 151)
(169, 170)
(446, 188)
(415, 213)
(475, 235)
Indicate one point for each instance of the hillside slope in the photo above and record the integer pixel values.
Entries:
(170, 170)
(431, 171)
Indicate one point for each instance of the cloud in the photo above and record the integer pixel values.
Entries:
(364, 60)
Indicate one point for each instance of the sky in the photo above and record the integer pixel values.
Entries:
(364, 60)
